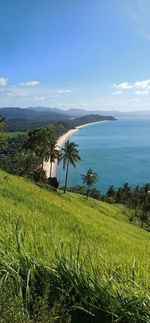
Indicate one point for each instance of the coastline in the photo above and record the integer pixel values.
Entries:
(61, 140)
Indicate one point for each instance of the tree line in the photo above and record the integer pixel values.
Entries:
(138, 199)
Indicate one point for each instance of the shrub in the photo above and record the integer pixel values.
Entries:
(39, 175)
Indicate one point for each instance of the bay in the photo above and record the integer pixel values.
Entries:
(118, 151)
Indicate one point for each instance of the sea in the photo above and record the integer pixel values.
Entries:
(118, 151)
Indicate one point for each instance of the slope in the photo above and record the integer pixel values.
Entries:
(47, 220)
(64, 258)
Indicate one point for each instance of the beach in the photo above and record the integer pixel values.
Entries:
(61, 140)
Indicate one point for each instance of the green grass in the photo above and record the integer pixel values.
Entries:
(11, 134)
(48, 226)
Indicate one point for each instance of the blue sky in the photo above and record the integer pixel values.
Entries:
(92, 54)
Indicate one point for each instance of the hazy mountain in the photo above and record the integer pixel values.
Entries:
(74, 113)
(77, 113)
(32, 114)
(54, 114)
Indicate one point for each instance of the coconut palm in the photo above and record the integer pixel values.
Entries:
(70, 155)
(89, 179)
(54, 153)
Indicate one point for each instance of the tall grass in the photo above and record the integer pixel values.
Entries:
(66, 292)
(66, 259)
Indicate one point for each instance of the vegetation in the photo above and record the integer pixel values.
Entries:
(64, 258)
(2, 140)
(12, 134)
(137, 199)
(70, 155)
(39, 143)
(2, 122)
(54, 153)
(89, 179)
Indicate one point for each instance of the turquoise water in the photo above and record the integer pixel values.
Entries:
(118, 151)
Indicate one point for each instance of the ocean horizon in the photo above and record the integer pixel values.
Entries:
(118, 151)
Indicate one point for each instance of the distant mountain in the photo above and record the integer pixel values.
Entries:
(24, 119)
(74, 113)
(77, 113)
(49, 114)
(54, 114)
(46, 109)
(32, 114)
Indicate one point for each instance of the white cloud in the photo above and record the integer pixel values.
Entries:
(142, 84)
(30, 84)
(3, 81)
(139, 85)
(123, 86)
(138, 92)
(64, 91)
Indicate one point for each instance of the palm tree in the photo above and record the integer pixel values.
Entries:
(134, 202)
(54, 153)
(89, 179)
(70, 155)
(111, 191)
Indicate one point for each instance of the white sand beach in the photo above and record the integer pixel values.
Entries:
(60, 142)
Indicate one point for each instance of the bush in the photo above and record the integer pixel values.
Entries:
(109, 200)
(39, 175)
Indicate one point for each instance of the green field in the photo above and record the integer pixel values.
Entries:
(43, 226)
(11, 134)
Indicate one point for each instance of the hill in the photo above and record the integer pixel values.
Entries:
(91, 261)
(31, 114)
(24, 119)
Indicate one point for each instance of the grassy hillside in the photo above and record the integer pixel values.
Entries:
(49, 226)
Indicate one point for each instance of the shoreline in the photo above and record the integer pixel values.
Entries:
(61, 140)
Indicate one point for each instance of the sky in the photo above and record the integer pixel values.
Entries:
(91, 54)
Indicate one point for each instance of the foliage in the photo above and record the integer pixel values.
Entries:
(14, 145)
(38, 142)
(137, 198)
(12, 134)
(39, 175)
(21, 164)
(2, 140)
(2, 123)
(70, 156)
(54, 153)
(89, 179)
(81, 189)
